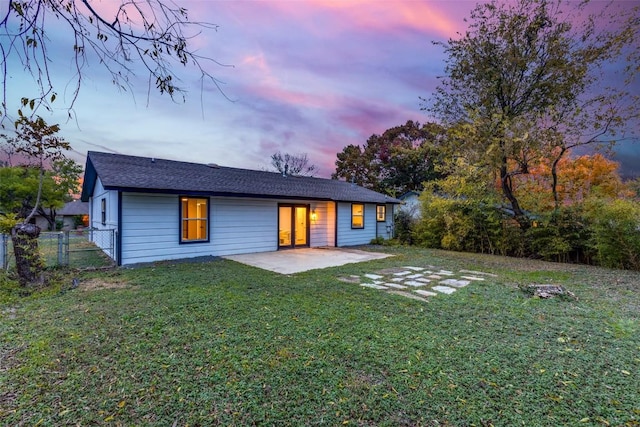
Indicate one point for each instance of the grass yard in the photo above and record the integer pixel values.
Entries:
(220, 343)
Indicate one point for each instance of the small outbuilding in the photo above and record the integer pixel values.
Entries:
(165, 209)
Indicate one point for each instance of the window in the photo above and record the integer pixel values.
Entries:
(194, 215)
(103, 211)
(381, 213)
(357, 215)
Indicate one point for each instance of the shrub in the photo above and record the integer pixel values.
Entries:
(560, 236)
(615, 232)
(404, 225)
(461, 225)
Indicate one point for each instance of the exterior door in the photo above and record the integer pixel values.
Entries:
(293, 226)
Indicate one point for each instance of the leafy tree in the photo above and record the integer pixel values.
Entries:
(59, 187)
(155, 34)
(38, 141)
(524, 82)
(578, 178)
(20, 188)
(292, 164)
(615, 234)
(399, 160)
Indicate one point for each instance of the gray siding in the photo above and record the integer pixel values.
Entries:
(385, 229)
(150, 227)
(243, 225)
(95, 208)
(111, 220)
(348, 236)
(323, 228)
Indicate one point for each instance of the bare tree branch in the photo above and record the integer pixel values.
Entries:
(154, 34)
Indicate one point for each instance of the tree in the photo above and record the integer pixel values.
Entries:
(156, 34)
(579, 178)
(59, 187)
(19, 189)
(36, 140)
(399, 160)
(292, 164)
(524, 82)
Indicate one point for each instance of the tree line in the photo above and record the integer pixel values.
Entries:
(525, 86)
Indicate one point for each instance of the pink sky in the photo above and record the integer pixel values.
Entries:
(305, 77)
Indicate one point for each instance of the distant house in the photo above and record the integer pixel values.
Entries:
(68, 216)
(410, 203)
(163, 209)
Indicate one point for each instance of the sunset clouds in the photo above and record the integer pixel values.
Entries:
(297, 76)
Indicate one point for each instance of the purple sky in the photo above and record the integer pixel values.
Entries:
(304, 77)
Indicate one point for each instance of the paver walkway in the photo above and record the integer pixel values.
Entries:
(418, 283)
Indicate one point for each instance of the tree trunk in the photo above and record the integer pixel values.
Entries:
(518, 213)
(49, 215)
(554, 176)
(29, 263)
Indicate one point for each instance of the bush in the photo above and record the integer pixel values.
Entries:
(379, 240)
(615, 232)
(404, 225)
(561, 236)
(460, 225)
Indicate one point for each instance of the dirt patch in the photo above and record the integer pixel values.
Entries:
(349, 279)
(99, 284)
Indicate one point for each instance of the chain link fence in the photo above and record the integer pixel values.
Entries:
(83, 249)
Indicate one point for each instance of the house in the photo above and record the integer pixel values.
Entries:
(164, 209)
(69, 216)
(410, 204)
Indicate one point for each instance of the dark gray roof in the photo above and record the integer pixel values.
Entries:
(74, 208)
(144, 174)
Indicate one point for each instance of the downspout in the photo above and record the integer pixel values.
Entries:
(335, 226)
(119, 232)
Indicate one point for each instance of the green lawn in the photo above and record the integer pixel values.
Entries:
(220, 343)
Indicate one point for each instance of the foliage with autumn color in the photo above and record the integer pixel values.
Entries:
(597, 220)
(579, 178)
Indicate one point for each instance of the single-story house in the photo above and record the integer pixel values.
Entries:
(164, 209)
(411, 203)
(69, 216)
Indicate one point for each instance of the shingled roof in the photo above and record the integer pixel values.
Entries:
(144, 174)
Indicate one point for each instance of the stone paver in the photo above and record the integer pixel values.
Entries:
(373, 286)
(444, 289)
(455, 283)
(414, 283)
(473, 278)
(402, 273)
(419, 283)
(394, 285)
(409, 295)
(426, 293)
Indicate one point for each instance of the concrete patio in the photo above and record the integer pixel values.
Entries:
(298, 260)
